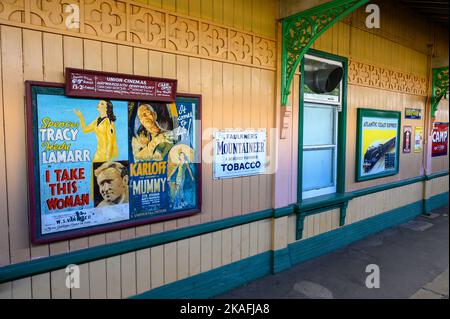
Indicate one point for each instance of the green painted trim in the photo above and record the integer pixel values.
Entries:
(343, 214)
(302, 29)
(384, 187)
(342, 124)
(300, 135)
(222, 279)
(284, 211)
(343, 236)
(46, 264)
(383, 114)
(214, 282)
(434, 202)
(324, 201)
(436, 175)
(281, 260)
(299, 226)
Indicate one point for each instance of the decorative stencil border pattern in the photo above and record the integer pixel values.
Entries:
(365, 74)
(138, 24)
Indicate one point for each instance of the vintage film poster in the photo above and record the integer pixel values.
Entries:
(439, 138)
(418, 139)
(162, 144)
(239, 153)
(407, 137)
(100, 164)
(378, 143)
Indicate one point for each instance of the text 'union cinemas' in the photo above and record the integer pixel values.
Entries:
(239, 148)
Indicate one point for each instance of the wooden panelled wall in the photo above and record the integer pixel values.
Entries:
(234, 96)
(236, 93)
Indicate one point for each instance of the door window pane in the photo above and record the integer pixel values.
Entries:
(318, 125)
(318, 169)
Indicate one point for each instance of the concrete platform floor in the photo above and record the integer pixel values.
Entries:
(413, 260)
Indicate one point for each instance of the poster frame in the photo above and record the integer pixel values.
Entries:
(33, 178)
(363, 112)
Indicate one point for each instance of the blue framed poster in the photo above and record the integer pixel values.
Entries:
(97, 165)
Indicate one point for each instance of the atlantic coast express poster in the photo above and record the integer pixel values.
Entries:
(100, 162)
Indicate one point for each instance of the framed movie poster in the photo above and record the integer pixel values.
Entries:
(99, 164)
(378, 144)
(407, 137)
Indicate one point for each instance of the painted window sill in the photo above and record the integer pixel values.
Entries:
(324, 201)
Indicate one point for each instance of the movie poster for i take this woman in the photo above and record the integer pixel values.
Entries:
(101, 164)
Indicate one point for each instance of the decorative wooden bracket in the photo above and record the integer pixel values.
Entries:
(440, 88)
(302, 29)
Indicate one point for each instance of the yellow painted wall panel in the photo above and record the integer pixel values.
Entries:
(157, 266)
(216, 249)
(113, 280)
(40, 286)
(217, 10)
(226, 246)
(58, 285)
(245, 241)
(170, 262)
(143, 271)
(21, 288)
(182, 6)
(6, 290)
(195, 8)
(194, 256)
(83, 292)
(14, 135)
(206, 252)
(97, 279)
(4, 232)
(206, 9)
(128, 274)
(182, 259)
(236, 244)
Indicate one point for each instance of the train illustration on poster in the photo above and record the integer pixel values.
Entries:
(378, 143)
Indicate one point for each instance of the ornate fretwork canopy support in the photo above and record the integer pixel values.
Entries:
(302, 29)
(440, 88)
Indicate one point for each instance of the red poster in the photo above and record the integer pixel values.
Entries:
(95, 84)
(440, 139)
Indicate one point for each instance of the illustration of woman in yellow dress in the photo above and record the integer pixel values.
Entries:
(105, 131)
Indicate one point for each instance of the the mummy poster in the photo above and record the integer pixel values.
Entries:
(378, 141)
(100, 162)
